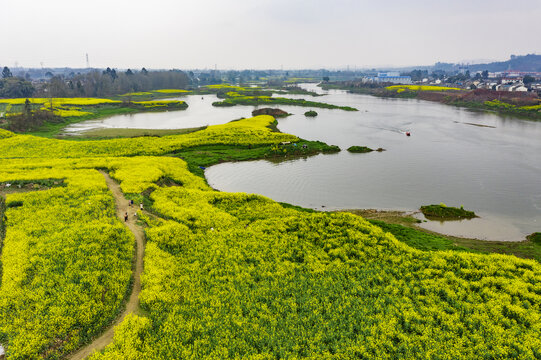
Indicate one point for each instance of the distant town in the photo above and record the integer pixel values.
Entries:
(511, 80)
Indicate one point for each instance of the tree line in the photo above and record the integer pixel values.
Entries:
(14, 87)
(97, 83)
(111, 82)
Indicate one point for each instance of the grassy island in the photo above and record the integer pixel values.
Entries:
(266, 100)
(362, 149)
(310, 113)
(444, 212)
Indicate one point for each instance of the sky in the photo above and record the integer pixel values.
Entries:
(264, 34)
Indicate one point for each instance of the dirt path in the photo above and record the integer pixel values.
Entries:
(132, 306)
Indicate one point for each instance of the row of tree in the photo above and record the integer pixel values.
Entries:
(111, 82)
(93, 84)
(14, 87)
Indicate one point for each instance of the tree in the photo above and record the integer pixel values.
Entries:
(27, 111)
(6, 73)
(129, 72)
(417, 75)
(528, 79)
(326, 78)
(144, 71)
(484, 74)
(113, 74)
(13, 87)
(57, 87)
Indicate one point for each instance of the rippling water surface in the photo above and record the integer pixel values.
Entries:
(493, 169)
(487, 163)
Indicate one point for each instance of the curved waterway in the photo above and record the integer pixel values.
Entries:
(200, 112)
(488, 163)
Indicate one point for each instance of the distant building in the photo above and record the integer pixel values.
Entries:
(512, 87)
(390, 77)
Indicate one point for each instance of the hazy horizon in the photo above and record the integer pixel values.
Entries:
(267, 34)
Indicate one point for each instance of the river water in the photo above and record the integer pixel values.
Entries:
(200, 112)
(488, 163)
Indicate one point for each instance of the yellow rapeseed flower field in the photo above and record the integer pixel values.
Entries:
(421, 88)
(233, 275)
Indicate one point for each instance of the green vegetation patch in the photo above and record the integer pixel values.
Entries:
(105, 133)
(359, 149)
(266, 100)
(363, 149)
(154, 94)
(419, 239)
(444, 212)
(200, 157)
(310, 113)
(405, 229)
(535, 237)
(159, 105)
(421, 88)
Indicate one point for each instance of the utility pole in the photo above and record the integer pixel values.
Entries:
(87, 62)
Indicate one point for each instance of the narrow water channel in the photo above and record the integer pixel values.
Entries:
(200, 112)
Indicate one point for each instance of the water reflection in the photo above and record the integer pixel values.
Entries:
(492, 169)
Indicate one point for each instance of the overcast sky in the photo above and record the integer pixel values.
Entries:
(264, 34)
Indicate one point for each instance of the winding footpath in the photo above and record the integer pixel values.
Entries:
(132, 306)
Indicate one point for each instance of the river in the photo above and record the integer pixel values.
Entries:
(488, 163)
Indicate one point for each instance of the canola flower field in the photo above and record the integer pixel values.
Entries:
(401, 88)
(500, 105)
(232, 275)
(77, 107)
(239, 98)
(160, 91)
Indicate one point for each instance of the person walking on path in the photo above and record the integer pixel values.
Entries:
(126, 216)
(141, 206)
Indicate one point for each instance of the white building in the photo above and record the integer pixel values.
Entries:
(390, 77)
